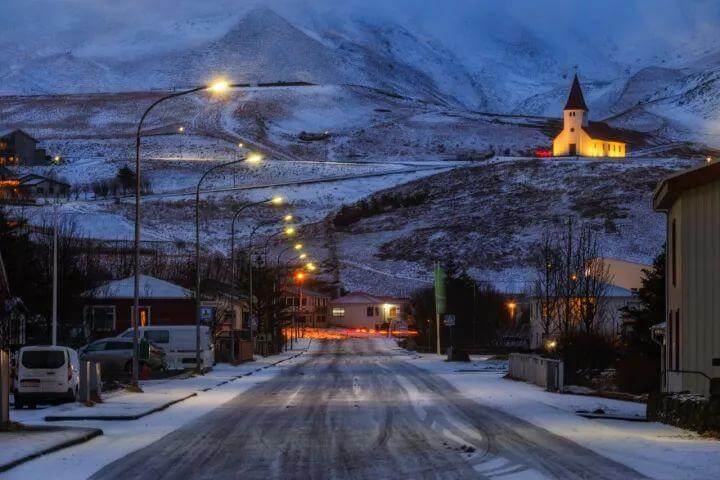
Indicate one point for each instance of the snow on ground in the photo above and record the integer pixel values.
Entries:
(654, 449)
(123, 437)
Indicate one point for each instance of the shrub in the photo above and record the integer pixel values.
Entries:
(585, 355)
(638, 374)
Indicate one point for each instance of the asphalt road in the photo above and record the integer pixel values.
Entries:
(353, 410)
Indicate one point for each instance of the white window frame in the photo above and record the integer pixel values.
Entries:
(92, 317)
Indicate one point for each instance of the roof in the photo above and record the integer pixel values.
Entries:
(671, 187)
(624, 274)
(306, 291)
(33, 179)
(602, 131)
(576, 100)
(363, 298)
(617, 291)
(150, 287)
(20, 132)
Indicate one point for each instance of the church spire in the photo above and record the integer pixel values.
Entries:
(575, 100)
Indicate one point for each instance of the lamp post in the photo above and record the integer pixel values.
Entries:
(198, 301)
(274, 201)
(218, 86)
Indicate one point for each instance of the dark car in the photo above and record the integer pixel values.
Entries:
(115, 356)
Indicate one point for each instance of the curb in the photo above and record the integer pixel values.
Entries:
(59, 418)
(598, 416)
(92, 433)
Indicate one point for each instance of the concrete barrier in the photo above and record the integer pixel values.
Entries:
(544, 372)
(90, 383)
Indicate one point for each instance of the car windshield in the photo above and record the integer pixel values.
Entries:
(43, 359)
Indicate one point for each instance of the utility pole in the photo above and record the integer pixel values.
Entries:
(54, 285)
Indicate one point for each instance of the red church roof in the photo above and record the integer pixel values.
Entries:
(575, 100)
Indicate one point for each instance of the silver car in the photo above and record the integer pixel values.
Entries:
(115, 356)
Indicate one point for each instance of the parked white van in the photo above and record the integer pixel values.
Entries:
(46, 374)
(178, 343)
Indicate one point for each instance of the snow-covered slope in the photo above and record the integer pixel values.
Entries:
(492, 56)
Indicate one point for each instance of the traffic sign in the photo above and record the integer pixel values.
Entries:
(449, 320)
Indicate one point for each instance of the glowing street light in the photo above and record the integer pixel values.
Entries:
(298, 246)
(254, 158)
(219, 86)
(303, 256)
(241, 145)
(289, 230)
(181, 129)
(277, 201)
(288, 218)
(310, 266)
(708, 159)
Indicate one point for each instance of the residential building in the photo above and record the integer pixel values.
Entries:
(108, 308)
(623, 278)
(691, 340)
(310, 307)
(31, 186)
(362, 310)
(19, 148)
(579, 136)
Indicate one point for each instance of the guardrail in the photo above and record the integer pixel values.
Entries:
(544, 372)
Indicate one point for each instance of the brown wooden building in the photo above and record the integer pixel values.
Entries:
(108, 308)
(19, 148)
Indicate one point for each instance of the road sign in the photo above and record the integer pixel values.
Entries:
(449, 320)
(207, 314)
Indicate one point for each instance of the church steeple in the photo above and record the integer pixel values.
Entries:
(575, 100)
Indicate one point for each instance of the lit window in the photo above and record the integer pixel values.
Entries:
(338, 312)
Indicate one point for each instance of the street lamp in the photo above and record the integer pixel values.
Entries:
(272, 201)
(298, 246)
(217, 87)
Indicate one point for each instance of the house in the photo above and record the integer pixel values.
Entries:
(108, 308)
(579, 136)
(19, 148)
(232, 308)
(691, 340)
(37, 186)
(624, 277)
(31, 186)
(362, 310)
(311, 307)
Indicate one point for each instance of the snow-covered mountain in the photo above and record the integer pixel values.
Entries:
(491, 56)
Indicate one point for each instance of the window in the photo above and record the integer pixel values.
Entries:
(102, 318)
(393, 312)
(96, 347)
(673, 252)
(338, 312)
(677, 339)
(43, 359)
(370, 311)
(157, 336)
(119, 346)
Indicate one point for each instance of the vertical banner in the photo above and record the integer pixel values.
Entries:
(440, 302)
(440, 293)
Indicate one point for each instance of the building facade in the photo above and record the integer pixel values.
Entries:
(19, 148)
(309, 307)
(691, 340)
(362, 310)
(108, 309)
(580, 137)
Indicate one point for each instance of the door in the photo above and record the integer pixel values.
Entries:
(144, 316)
(572, 149)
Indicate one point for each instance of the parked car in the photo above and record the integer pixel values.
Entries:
(46, 374)
(115, 356)
(179, 343)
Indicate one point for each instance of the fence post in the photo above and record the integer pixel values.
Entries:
(4, 388)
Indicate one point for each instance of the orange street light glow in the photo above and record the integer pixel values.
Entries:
(254, 158)
(310, 266)
(219, 86)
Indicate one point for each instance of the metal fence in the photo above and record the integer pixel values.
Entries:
(544, 372)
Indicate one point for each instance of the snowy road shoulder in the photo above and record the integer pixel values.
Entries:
(121, 438)
(653, 449)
